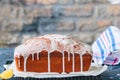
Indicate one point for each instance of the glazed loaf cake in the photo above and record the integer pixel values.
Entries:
(52, 53)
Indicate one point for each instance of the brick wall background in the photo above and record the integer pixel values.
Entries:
(84, 19)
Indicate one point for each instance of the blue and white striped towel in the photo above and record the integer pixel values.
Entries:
(108, 42)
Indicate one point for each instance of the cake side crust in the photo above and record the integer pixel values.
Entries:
(41, 65)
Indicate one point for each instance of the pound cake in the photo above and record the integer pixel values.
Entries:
(52, 53)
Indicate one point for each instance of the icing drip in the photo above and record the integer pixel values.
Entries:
(63, 61)
(18, 61)
(25, 61)
(68, 56)
(48, 62)
(72, 49)
(81, 62)
(38, 56)
(32, 56)
(73, 63)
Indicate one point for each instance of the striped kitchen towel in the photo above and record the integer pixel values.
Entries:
(105, 47)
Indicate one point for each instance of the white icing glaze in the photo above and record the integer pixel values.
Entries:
(73, 63)
(68, 56)
(72, 49)
(63, 61)
(48, 62)
(51, 43)
(32, 56)
(81, 62)
(37, 56)
(25, 60)
(18, 61)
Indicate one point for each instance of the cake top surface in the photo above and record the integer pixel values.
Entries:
(51, 43)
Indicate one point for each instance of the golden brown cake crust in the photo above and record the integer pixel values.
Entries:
(41, 65)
